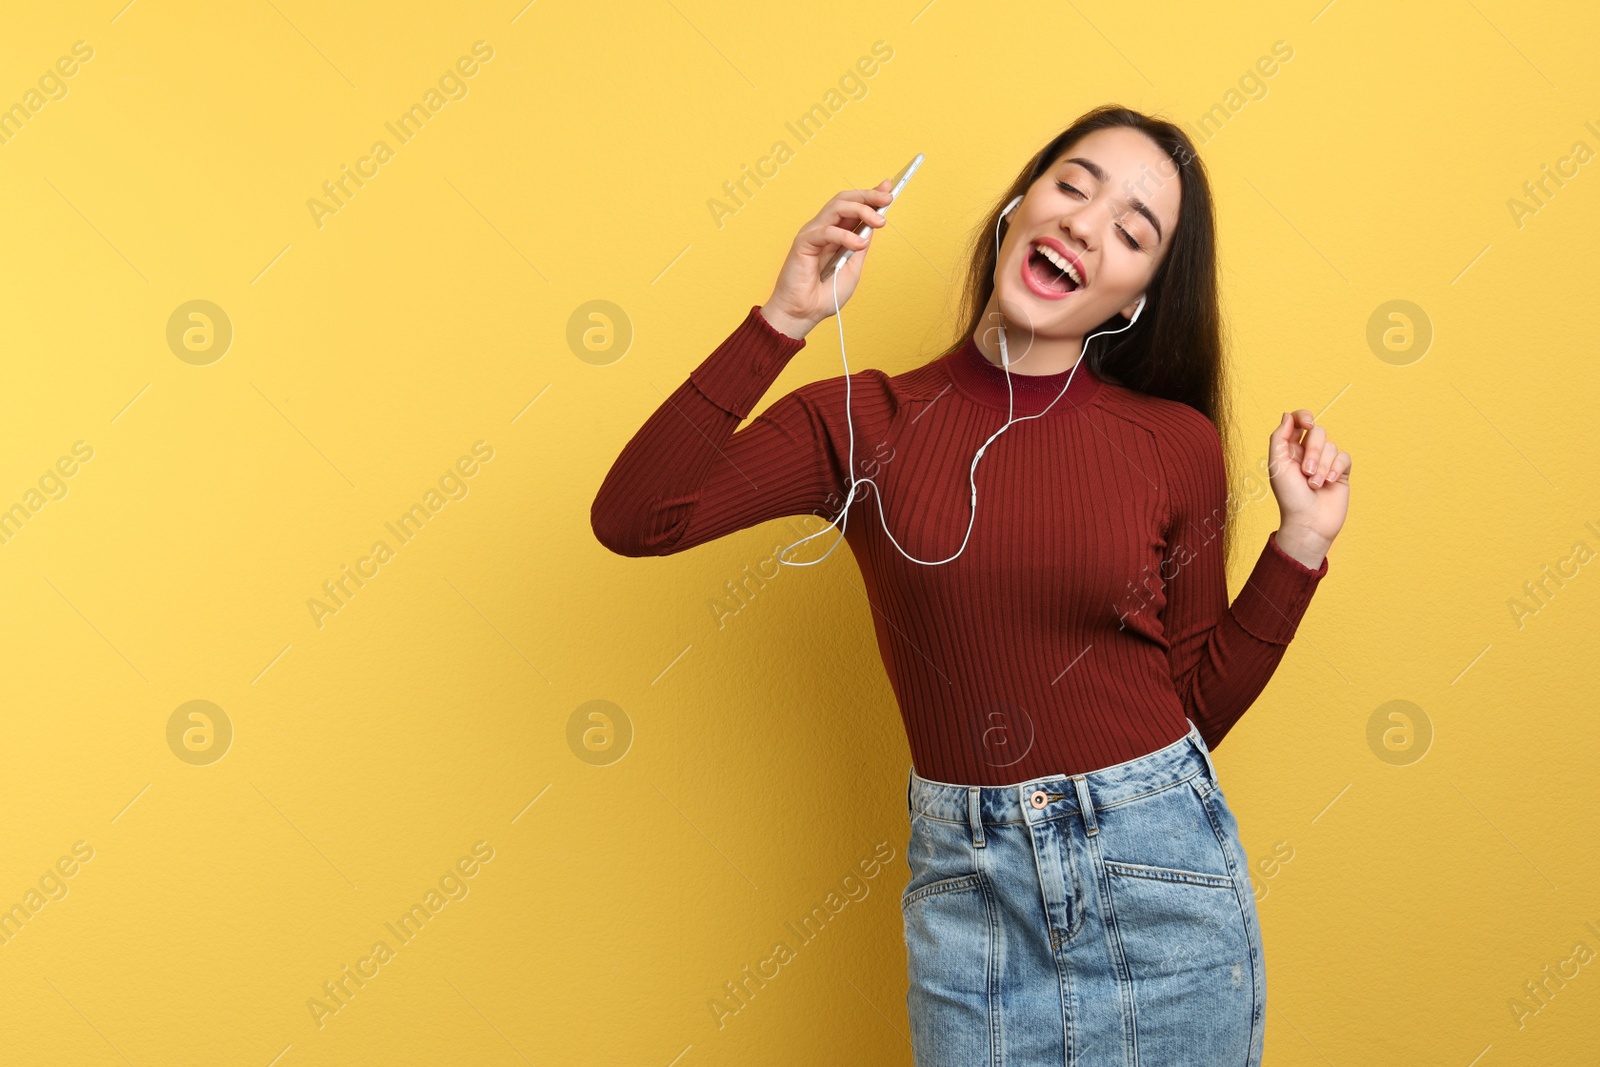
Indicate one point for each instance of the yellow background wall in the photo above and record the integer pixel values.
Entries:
(413, 345)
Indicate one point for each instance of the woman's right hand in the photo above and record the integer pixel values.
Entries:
(802, 297)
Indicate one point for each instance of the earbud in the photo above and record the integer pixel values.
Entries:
(1136, 309)
(1014, 202)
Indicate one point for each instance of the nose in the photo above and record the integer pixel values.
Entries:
(1077, 228)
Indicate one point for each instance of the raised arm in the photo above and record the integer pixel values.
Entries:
(1221, 656)
(689, 475)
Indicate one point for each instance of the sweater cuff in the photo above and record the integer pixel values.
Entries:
(743, 367)
(1276, 595)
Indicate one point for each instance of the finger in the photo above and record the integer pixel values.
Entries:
(849, 214)
(847, 238)
(852, 210)
(877, 197)
(1313, 444)
(1301, 420)
(828, 241)
(834, 233)
(1282, 450)
(1323, 461)
(1340, 469)
(1284, 430)
(850, 219)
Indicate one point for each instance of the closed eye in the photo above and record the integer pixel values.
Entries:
(1132, 243)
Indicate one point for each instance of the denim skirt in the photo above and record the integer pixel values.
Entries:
(1103, 919)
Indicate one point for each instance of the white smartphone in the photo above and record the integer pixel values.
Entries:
(894, 194)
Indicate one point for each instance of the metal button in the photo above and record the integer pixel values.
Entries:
(1039, 798)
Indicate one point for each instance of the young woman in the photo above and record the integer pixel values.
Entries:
(1061, 646)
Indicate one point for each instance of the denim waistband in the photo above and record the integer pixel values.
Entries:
(1052, 796)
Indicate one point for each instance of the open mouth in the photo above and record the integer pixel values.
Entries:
(1049, 272)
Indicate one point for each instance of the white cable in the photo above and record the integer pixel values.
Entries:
(973, 473)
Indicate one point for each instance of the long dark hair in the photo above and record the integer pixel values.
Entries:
(1175, 351)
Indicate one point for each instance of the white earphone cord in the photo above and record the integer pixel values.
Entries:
(973, 473)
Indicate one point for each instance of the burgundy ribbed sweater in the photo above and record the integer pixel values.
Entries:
(1087, 617)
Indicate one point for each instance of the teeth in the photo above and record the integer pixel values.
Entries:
(1061, 262)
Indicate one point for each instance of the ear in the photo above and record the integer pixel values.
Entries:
(1127, 312)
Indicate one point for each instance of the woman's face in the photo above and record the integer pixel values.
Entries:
(1108, 207)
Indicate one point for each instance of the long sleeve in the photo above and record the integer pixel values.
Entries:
(687, 477)
(1221, 656)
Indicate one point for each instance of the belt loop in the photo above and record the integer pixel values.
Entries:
(1199, 743)
(1085, 805)
(975, 815)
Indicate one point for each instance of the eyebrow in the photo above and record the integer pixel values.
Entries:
(1134, 202)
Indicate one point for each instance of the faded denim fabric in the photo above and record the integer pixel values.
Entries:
(1104, 919)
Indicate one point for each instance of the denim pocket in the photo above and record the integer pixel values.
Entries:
(952, 939)
(1171, 836)
(957, 884)
(1177, 921)
(1169, 874)
(939, 855)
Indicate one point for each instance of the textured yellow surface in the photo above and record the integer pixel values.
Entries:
(333, 737)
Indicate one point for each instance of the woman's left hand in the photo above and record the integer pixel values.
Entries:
(1311, 478)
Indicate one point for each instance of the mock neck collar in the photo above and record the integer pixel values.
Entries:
(985, 383)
